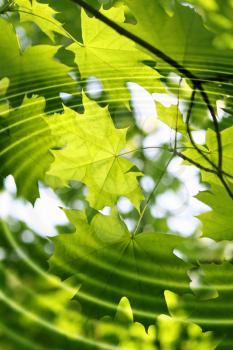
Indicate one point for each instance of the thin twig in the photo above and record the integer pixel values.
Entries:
(219, 171)
(221, 178)
(151, 194)
(188, 121)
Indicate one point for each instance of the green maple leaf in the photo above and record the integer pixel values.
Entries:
(24, 146)
(42, 15)
(211, 151)
(216, 223)
(33, 71)
(109, 262)
(112, 58)
(227, 148)
(182, 35)
(215, 313)
(171, 116)
(92, 156)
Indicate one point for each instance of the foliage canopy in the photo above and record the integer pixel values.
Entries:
(69, 121)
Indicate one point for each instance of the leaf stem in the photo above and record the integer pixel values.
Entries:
(151, 194)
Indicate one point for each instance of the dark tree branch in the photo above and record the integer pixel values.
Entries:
(188, 121)
(208, 170)
(219, 172)
(216, 126)
(198, 165)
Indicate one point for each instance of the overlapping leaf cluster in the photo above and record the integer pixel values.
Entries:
(46, 138)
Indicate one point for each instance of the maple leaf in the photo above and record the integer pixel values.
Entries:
(33, 71)
(217, 222)
(171, 116)
(92, 156)
(109, 262)
(24, 146)
(112, 58)
(211, 151)
(213, 313)
(42, 15)
(180, 35)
